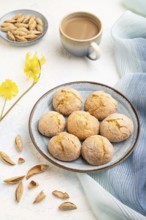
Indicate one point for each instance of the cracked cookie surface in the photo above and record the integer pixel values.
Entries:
(65, 147)
(97, 150)
(116, 127)
(100, 104)
(82, 124)
(67, 100)
(51, 123)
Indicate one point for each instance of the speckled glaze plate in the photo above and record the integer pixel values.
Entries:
(25, 12)
(122, 149)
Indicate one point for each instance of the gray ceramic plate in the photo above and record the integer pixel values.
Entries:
(25, 12)
(122, 149)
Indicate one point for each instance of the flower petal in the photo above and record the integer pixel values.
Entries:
(8, 89)
(42, 60)
(32, 67)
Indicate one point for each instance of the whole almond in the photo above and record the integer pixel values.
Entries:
(7, 25)
(10, 35)
(32, 25)
(8, 28)
(20, 19)
(23, 29)
(31, 20)
(31, 36)
(20, 33)
(39, 28)
(20, 38)
(26, 19)
(39, 21)
(10, 21)
(21, 25)
(34, 32)
(17, 16)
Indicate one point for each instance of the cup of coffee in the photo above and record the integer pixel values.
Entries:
(80, 34)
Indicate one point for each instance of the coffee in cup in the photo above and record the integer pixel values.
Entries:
(81, 33)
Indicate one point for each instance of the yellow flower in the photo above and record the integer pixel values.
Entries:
(8, 89)
(32, 67)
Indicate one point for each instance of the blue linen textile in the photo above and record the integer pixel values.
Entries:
(124, 185)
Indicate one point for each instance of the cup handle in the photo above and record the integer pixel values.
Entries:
(94, 49)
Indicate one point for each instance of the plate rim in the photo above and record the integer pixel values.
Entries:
(73, 169)
(28, 43)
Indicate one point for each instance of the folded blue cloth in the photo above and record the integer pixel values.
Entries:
(120, 193)
(129, 36)
(138, 6)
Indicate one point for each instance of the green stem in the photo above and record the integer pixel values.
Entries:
(3, 116)
(3, 109)
(33, 84)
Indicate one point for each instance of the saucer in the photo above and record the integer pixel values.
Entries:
(11, 14)
(122, 150)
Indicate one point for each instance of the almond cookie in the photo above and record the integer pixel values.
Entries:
(97, 150)
(51, 123)
(100, 104)
(65, 147)
(82, 124)
(116, 127)
(66, 101)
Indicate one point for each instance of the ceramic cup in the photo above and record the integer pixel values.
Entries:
(81, 33)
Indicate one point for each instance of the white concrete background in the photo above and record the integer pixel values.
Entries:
(61, 67)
